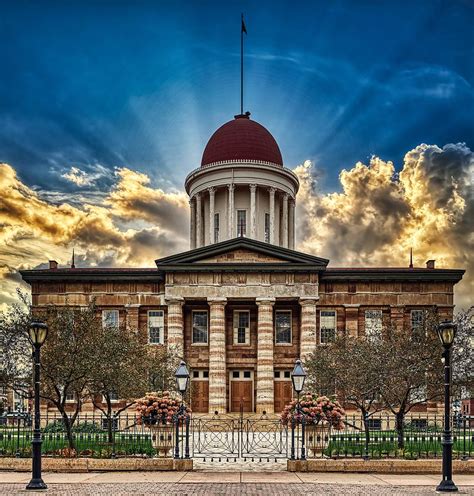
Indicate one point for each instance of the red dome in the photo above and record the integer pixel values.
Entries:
(242, 139)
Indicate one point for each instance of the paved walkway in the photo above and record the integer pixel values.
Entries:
(231, 483)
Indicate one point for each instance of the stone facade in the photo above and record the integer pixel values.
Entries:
(271, 286)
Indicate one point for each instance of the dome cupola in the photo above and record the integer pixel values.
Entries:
(242, 139)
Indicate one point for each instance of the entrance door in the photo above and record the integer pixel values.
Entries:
(200, 391)
(241, 393)
(283, 389)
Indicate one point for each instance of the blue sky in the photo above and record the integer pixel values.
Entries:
(144, 84)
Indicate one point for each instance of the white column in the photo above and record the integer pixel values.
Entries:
(253, 189)
(198, 221)
(211, 214)
(192, 227)
(284, 231)
(272, 214)
(230, 227)
(291, 227)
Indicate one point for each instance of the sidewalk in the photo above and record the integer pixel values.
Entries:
(231, 483)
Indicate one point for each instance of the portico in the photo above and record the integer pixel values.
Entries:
(237, 308)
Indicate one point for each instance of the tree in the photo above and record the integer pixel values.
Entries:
(463, 353)
(67, 356)
(350, 366)
(410, 370)
(120, 372)
(161, 367)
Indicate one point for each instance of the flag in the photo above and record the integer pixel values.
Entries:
(244, 29)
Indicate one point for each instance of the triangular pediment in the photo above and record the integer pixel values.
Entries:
(242, 251)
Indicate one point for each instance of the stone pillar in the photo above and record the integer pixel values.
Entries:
(192, 226)
(132, 315)
(253, 213)
(212, 192)
(217, 356)
(352, 320)
(284, 231)
(198, 221)
(308, 325)
(272, 214)
(291, 227)
(265, 391)
(176, 325)
(230, 212)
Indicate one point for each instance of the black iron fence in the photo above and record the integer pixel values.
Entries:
(228, 437)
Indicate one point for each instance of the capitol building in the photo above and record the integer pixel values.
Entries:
(242, 304)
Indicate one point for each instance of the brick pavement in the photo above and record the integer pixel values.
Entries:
(230, 484)
(223, 489)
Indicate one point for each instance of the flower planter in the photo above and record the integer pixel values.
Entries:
(317, 438)
(162, 437)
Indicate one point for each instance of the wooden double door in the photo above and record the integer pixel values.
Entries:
(200, 396)
(241, 393)
(283, 391)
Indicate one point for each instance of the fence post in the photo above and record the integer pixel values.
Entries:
(186, 452)
(303, 450)
(17, 455)
(292, 437)
(114, 418)
(176, 448)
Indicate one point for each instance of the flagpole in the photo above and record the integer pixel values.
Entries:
(242, 67)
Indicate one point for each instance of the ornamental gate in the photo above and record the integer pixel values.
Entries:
(245, 438)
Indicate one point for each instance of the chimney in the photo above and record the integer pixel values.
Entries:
(430, 264)
(53, 264)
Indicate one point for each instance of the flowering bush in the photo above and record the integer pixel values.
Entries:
(155, 409)
(318, 410)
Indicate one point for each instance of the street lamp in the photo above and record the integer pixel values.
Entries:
(182, 380)
(38, 332)
(446, 333)
(298, 377)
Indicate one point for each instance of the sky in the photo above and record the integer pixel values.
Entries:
(106, 106)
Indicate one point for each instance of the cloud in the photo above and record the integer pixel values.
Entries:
(133, 224)
(133, 199)
(380, 215)
(84, 178)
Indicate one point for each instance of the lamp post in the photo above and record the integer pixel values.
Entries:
(38, 333)
(298, 377)
(182, 381)
(446, 333)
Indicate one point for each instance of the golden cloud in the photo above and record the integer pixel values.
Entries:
(380, 215)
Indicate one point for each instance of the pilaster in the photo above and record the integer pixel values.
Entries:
(175, 325)
(284, 231)
(192, 226)
(308, 325)
(265, 389)
(291, 227)
(253, 189)
(230, 211)
(217, 356)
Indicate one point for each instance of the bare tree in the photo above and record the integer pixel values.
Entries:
(350, 367)
(463, 353)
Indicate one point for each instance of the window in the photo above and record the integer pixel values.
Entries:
(417, 319)
(241, 327)
(373, 324)
(327, 326)
(70, 397)
(113, 397)
(156, 325)
(283, 327)
(110, 318)
(241, 223)
(200, 327)
(374, 424)
(216, 228)
(105, 423)
(267, 228)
